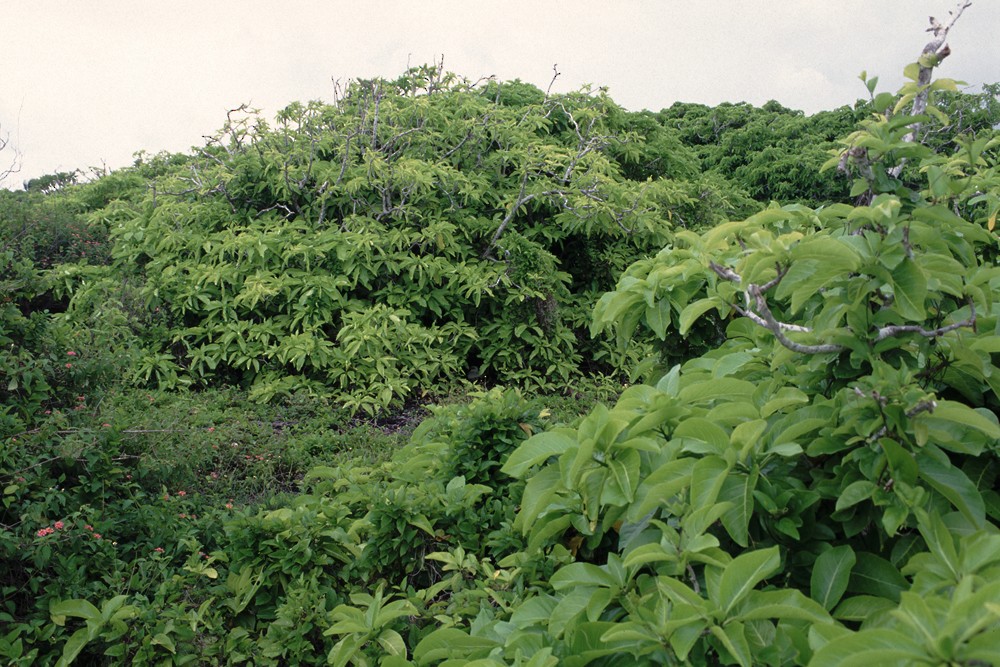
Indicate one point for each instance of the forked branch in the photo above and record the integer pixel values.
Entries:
(756, 309)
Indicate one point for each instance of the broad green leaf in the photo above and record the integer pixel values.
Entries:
(534, 611)
(537, 449)
(538, 493)
(783, 604)
(954, 485)
(733, 637)
(869, 648)
(717, 389)
(873, 575)
(828, 251)
(854, 494)
(76, 643)
(901, 462)
(391, 642)
(703, 431)
(691, 312)
(164, 640)
(738, 489)
(630, 632)
(952, 412)
(743, 574)
(648, 553)
(785, 397)
(571, 605)
(830, 575)
(581, 574)
(707, 478)
(78, 608)
(860, 608)
(661, 486)
(910, 289)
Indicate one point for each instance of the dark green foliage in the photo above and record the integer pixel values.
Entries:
(807, 476)
(772, 152)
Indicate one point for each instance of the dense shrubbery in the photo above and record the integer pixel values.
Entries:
(807, 474)
(391, 244)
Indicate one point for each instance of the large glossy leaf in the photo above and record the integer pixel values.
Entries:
(873, 575)
(869, 648)
(691, 312)
(910, 289)
(537, 449)
(830, 575)
(537, 495)
(781, 604)
(742, 575)
(953, 484)
(738, 489)
(733, 637)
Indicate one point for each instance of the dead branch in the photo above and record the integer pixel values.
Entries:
(15, 160)
(555, 75)
(934, 52)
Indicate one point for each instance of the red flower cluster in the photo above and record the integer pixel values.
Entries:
(58, 525)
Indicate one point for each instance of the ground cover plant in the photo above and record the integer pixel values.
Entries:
(763, 434)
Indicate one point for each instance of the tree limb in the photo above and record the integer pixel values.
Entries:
(777, 329)
(933, 53)
(895, 330)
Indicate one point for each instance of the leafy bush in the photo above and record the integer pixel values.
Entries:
(465, 233)
(807, 475)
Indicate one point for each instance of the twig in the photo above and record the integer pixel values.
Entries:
(555, 75)
(895, 330)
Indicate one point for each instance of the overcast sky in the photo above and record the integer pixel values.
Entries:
(90, 82)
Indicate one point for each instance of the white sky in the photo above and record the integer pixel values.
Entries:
(89, 82)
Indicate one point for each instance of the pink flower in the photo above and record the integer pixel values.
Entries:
(211, 429)
(158, 550)
(182, 493)
(59, 525)
(89, 527)
(106, 425)
(70, 353)
(69, 365)
(97, 536)
(42, 532)
(229, 506)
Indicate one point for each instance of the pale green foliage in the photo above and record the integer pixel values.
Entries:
(391, 243)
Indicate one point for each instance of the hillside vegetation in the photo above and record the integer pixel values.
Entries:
(451, 373)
